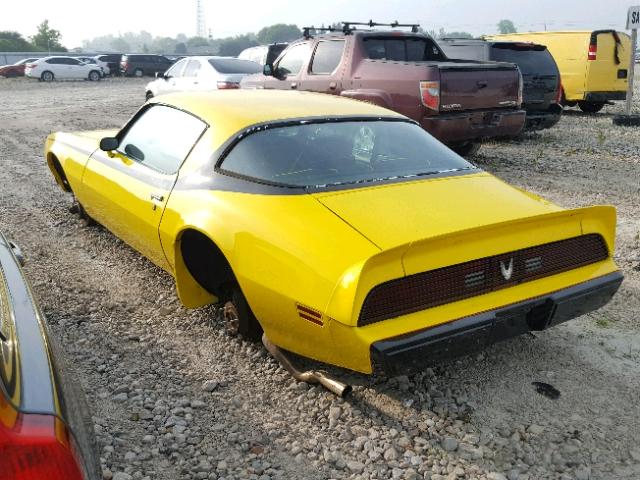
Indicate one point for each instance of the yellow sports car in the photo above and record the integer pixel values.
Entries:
(341, 229)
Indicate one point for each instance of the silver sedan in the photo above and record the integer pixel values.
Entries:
(201, 73)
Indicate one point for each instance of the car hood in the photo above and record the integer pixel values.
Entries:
(396, 214)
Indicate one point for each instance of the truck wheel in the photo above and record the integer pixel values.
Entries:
(627, 120)
(238, 317)
(466, 149)
(590, 107)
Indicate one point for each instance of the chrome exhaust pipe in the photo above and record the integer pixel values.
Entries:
(311, 376)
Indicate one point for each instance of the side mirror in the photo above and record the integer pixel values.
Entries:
(107, 144)
(268, 70)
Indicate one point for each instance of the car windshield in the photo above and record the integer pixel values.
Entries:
(329, 153)
(234, 65)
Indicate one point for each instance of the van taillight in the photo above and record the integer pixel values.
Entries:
(37, 447)
(593, 50)
(430, 94)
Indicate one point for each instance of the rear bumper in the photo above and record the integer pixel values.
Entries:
(414, 352)
(604, 96)
(462, 127)
(541, 119)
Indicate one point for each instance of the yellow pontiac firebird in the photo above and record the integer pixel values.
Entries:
(341, 229)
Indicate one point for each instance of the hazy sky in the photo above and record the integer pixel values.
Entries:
(79, 20)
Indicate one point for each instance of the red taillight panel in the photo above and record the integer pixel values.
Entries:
(430, 94)
(593, 51)
(227, 85)
(37, 447)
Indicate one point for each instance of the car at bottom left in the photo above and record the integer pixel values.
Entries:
(62, 68)
(46, 430)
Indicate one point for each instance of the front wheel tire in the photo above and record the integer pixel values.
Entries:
(238, 317)
(94, 76)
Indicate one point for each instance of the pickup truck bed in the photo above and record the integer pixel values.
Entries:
(457, 101)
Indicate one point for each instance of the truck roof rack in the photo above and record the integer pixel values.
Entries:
(306, 31)
(348, 27)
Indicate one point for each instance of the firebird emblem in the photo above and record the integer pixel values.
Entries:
(506, 270)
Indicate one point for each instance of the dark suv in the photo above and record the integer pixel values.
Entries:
(139, 65)
(113, 62)
(540, 75)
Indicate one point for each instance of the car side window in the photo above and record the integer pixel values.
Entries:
(55, 61)
(161, 138)
(192, 68)
(292, 61)
(176, 70)
(327, 57)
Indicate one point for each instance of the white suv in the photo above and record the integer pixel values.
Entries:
(62, 68)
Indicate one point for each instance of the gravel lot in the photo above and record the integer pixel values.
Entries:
(176, 398)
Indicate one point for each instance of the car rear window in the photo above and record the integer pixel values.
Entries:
(323, 154)
(402, 49)
(234, 65)
(529, 58)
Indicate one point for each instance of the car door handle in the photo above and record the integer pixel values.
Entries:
(157, 197)
(333, 85)
(294, 85)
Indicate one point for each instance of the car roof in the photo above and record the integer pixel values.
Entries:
(235, 110)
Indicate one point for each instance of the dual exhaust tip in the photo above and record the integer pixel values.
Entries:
(311, 376)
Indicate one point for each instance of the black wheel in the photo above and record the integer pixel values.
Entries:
(47, 76)
(94, 75)
(238, 317)
(138, 72)
(627, 120)
(467, 148)
(590, 107)
(149, 96)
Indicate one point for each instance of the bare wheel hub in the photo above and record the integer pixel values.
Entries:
(231, 318)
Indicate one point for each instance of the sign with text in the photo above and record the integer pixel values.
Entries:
(633, 18)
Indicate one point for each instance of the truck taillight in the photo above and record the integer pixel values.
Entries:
(227, 85)
(430, 94)
(37, 447)
(593, 51)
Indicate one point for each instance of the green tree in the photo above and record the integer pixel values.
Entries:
(14, 42)
(120, 45)
(197, 42)
(278, 33)
(506, 26)
(181, 49)
(232, 46)
(47, 38)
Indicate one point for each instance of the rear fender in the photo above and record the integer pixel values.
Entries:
(377, 97)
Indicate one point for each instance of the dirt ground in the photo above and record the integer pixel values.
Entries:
(176, 398)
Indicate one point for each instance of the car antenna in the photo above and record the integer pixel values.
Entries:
(348, 27)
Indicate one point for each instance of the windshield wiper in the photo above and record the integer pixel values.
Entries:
(393, 177)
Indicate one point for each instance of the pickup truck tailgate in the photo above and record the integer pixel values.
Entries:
(468, 85)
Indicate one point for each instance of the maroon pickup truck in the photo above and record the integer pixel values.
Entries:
(459, 102)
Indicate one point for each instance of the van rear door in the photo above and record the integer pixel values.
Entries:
(540, 76)
(608, 61)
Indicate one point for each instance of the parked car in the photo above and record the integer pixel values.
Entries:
(541, 93)
(594, 65)
(263, 54)
(139, 65)
(46, 430)
(112, 60)
(62, 68)
(459, 102)
(201, 73)
(104, 68)
(341, 230)
(15, 70)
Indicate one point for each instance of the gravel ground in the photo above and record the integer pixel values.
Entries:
(176, 398)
